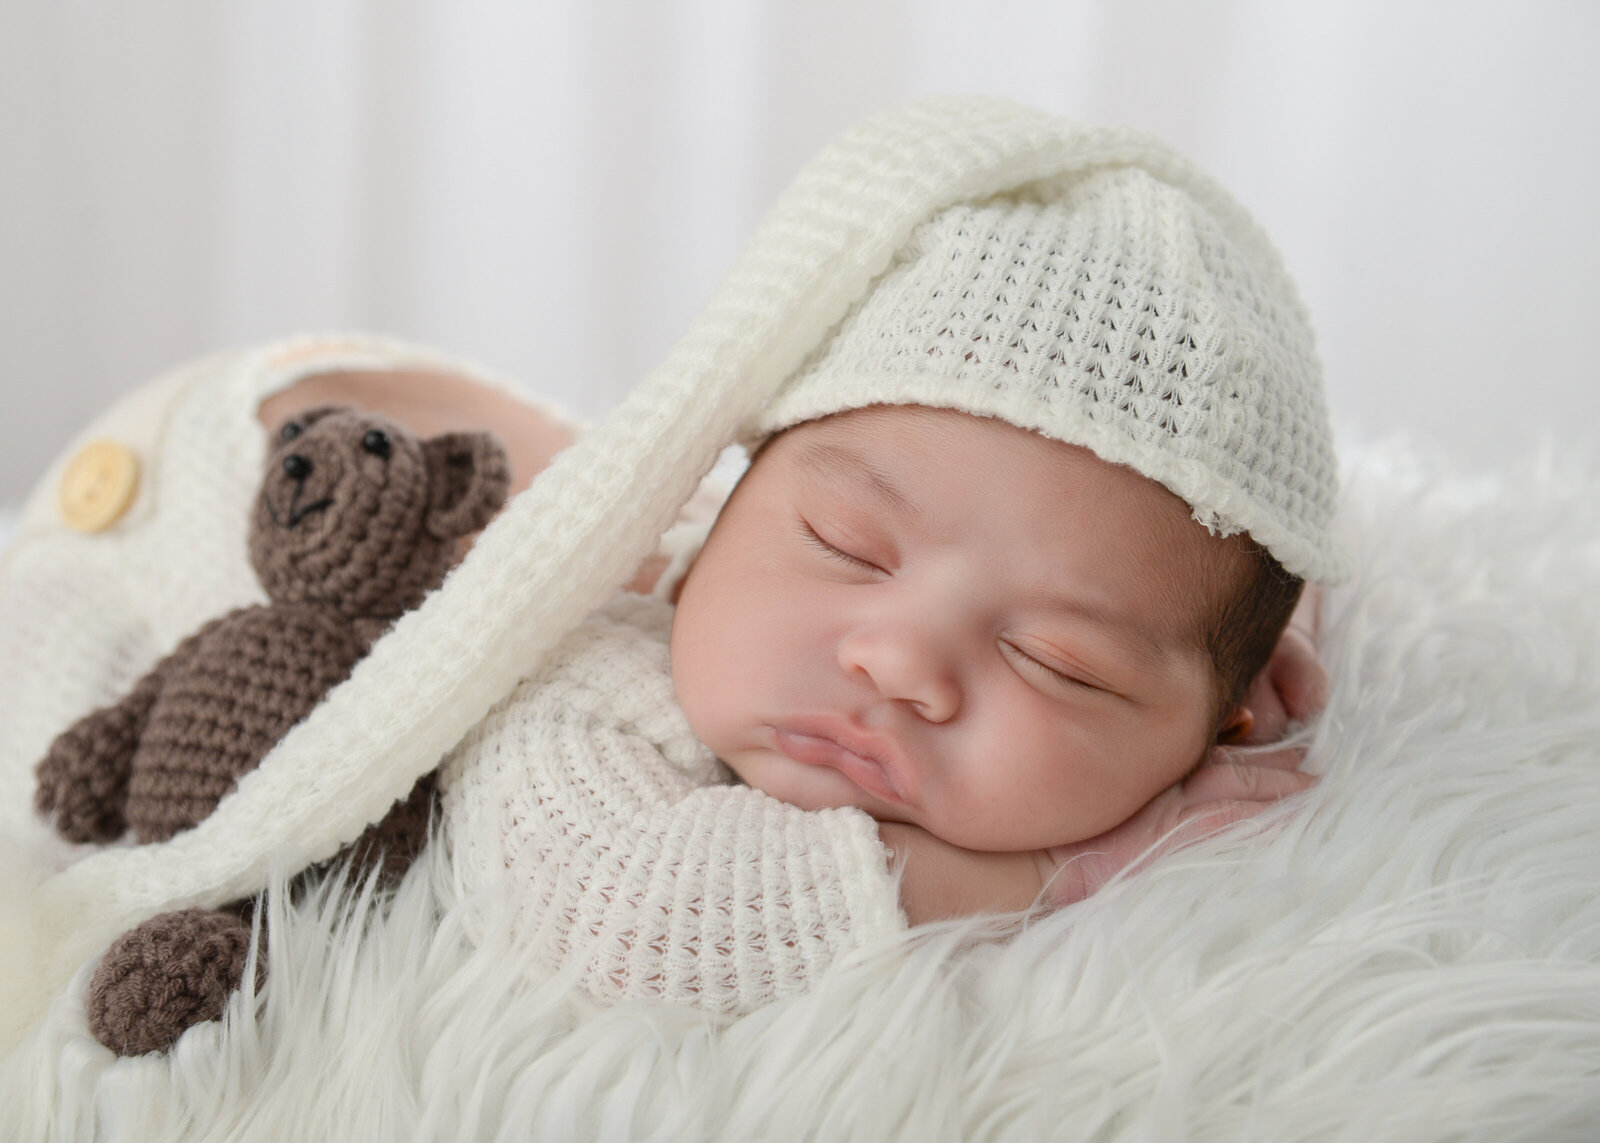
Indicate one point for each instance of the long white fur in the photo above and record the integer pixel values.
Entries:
(1410, 952)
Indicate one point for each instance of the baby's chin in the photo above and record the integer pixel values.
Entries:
(817, 788)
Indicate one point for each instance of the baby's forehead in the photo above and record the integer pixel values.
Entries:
(905, 454)
(966, 444)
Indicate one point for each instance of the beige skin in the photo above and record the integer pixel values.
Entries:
(1001, 678)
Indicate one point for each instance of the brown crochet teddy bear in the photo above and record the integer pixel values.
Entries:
(357, 520)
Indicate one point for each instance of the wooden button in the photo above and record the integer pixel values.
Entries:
(97, 486)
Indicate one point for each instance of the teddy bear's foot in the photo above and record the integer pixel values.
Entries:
(172, 972)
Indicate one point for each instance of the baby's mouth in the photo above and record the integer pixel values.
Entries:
(866, 764)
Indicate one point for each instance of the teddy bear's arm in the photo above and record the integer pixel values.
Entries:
(83, 778)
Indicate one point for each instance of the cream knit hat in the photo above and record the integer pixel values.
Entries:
(1117, 315)
(566, 544)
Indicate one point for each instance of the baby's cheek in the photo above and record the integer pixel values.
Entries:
(693, 681)
(1049, 781)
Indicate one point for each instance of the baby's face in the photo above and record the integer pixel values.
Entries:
(949, 621)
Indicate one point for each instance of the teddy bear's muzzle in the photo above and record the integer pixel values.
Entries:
(298, 469)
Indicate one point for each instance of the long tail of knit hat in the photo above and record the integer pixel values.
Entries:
(1223, 326)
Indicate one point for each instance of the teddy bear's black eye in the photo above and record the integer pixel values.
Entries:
(290, 431)
(377, 443)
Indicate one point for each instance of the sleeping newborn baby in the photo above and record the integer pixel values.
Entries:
(1015, 546)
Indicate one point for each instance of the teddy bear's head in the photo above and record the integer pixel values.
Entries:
(357, 512)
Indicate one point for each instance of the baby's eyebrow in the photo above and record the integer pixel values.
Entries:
(836, 460)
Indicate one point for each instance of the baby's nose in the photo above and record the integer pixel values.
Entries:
(906, 666)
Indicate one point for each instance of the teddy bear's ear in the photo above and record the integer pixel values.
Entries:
(292, 426)
(468, 475)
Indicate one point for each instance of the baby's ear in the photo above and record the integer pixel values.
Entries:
(1236, 727)
(468, 476)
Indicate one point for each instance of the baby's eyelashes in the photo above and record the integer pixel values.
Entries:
(814, 539)
(1034, 665)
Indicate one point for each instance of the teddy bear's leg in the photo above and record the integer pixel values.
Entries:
(393, 843)
(83, 779)
(168, 974)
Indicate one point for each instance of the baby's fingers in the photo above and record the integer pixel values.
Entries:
(1241, 782)
(1298, 675)
(1262, 757)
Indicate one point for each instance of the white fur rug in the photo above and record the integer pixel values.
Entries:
(1412, 952)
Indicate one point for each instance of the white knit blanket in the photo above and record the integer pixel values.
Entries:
(1412, 952)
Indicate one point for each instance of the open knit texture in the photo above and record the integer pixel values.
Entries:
(1409, 952)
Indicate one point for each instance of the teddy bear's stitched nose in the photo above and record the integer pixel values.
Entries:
(296, 467)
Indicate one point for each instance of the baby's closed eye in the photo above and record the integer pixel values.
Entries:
(834, 551)
(1039, 663)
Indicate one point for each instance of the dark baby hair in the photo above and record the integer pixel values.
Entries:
(1244, 627)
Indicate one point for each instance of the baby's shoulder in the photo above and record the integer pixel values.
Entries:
(613, 673)
(600, 710)
(625, 640)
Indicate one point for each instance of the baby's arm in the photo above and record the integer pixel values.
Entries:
(940, 881)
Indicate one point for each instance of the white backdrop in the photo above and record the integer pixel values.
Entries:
(553, 188)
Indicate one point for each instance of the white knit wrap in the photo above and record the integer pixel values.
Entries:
(567, 543)
(585, 806)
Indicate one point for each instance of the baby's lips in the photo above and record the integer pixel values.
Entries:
(873, 762)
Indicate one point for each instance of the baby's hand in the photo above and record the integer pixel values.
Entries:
(1231, 785)
(940, 881)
